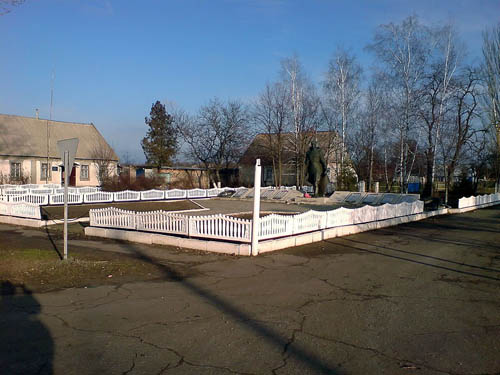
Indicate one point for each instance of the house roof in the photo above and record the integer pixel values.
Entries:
(260, 146)
(27, 137)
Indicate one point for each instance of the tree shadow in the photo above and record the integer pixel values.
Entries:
(417, 261)
(26, 345)
(430, 238)
(289, 347)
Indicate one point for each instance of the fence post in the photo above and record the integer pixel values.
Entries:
(256, 209)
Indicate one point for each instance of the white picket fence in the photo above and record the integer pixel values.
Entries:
(21, 209)
(235, 229)
(275, 225)
(478, 200)
(215, 226)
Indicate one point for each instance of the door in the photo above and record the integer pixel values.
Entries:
(72, 177)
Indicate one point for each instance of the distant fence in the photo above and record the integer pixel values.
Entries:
(55, 196)
(479, 200)
(223, 227)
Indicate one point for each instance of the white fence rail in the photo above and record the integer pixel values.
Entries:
(273, 226)
(41, 200)
(216, 226)
(152, 195)
(220, 227)
(235, 229)
(478, 200)
(94, 195)
(21, 209)
(73, 198)
(164, 222)
(98, 197)
(126, 195)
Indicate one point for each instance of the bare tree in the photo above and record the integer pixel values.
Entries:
(402, 50)
(217, 135)
(270, 113)
(369, 131)
(341, 86)
(462, 126)
(103, 159)
(6, 6)
(491, 78)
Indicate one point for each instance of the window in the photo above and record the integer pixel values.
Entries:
(15, 171)
(84, 172)
(43, 172)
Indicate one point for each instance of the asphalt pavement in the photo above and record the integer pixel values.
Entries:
(420, 298)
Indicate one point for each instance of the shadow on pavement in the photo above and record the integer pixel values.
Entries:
(425, 256)
(416, 261)
(290, 349)
(26, 345)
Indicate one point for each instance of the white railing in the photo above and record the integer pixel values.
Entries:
(152, 195)
(272, 226)
(175, 194)
(42, 191)
(113, 218)
(21, 209)
(41, 200)
(88, 189)
(98, 197)
(215, 226)
(275, 226)
(478, 200)
(220, 227)
(72, 198)
(15, 191)
(214, 192)
(164, 222)
(196, 193)
(126, 195)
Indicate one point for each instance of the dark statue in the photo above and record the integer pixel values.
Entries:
(316, 170)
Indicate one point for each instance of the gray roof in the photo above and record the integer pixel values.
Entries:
(27, 137)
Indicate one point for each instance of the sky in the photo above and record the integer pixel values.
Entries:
(108, 61)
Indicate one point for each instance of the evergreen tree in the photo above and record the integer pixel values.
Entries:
(160, 143)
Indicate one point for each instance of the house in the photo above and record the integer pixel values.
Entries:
(264, 146)
(29, 154)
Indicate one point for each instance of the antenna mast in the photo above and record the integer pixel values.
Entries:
(50, 119)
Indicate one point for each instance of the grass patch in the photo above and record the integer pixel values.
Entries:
(41, 270)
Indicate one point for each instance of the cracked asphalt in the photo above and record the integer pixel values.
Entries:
(420, 298)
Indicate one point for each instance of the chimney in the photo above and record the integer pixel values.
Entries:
(36, 111)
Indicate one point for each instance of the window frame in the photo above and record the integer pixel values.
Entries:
(12, 175)
(82, 168)
(48, 170)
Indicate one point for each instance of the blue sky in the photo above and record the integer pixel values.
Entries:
(113, 59)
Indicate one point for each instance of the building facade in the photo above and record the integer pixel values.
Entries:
(29, 154)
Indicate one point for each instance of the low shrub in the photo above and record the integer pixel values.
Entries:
(124, 182)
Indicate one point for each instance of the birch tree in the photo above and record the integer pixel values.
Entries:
(303, 114)
(436, 91)
(402, 51)
(341, 87)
